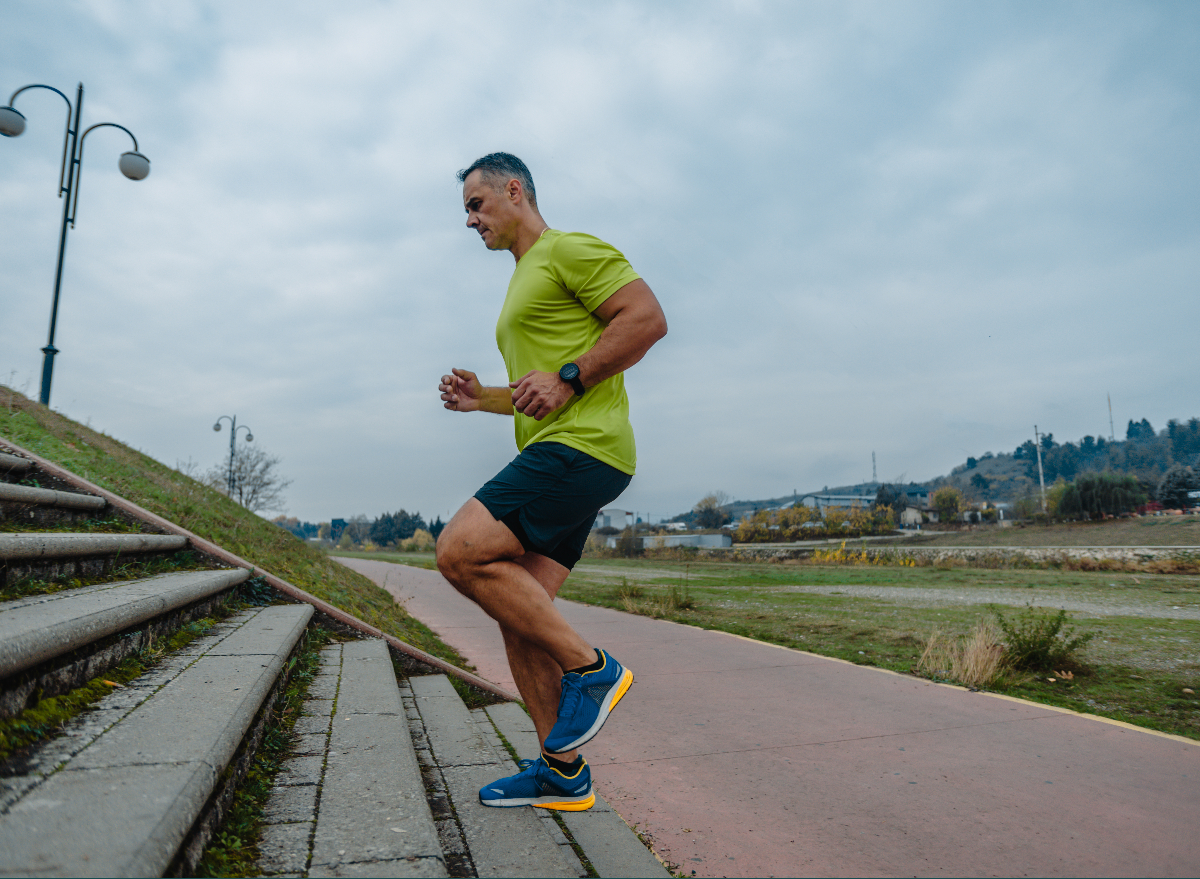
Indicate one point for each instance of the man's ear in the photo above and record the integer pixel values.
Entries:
(514, 190)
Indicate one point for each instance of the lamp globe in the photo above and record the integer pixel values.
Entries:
(134, 165)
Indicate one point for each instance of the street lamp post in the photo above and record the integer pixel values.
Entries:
(133, 165)
(234, 427)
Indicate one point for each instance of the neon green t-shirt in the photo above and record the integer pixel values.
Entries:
(547, 321)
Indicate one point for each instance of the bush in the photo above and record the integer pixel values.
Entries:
(1041, 642)
(1173, 488)
(975, 661)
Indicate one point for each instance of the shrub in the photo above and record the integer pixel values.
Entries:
(1041, 642)
(1174, 486)
(976, 660)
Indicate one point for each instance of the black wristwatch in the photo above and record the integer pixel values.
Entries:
(570, 374)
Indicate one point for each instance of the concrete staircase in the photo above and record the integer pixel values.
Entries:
(386, 760)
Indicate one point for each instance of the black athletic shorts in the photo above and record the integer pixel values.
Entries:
(549, 497)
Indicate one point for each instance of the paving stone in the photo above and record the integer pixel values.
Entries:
(300, 770)
(310, 745)
(317, 708)
(368, 683)
(404, 867)
(310, 725)
(291, 804)
(373, 802)
(323, 687)
(283, 848)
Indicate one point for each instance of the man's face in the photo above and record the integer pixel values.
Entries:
(494, 215)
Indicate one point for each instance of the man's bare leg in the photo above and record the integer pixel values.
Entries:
(478, 556)
(537, 675)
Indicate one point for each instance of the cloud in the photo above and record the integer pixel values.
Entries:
(915, 229)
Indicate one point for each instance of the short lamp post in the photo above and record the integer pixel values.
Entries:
(234, 427)
(133, 165)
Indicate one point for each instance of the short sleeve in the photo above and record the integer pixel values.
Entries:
(590, 268)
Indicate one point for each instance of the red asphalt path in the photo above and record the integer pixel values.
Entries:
(738, 758)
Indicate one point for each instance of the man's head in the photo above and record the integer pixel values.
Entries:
(497, 169)
(500, 200)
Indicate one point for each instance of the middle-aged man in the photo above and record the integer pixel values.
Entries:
(575, 318)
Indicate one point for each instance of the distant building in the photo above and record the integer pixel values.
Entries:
(821, 501)
(662, 541)
(614, 518)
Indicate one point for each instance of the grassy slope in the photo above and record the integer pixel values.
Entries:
(180, 499)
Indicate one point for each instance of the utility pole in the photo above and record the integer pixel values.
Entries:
(1112, 434)
(1037, 445)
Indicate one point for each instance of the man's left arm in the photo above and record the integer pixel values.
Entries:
(633, 320)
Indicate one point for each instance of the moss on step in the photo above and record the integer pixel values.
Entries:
(46, 718)
(131, 569)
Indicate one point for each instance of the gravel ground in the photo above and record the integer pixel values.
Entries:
(1160, 607)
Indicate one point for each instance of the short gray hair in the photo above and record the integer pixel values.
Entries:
(498, 169)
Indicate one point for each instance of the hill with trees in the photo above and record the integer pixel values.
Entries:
(1159, 466)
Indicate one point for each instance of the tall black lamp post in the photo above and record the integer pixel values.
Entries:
(133, 165)
(234, 427)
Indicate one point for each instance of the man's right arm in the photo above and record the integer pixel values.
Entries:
(463, 392)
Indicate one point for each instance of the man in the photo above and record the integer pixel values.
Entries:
(576, 316)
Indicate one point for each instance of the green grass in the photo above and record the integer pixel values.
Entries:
(108, 525)
(209, 514)
(1138, 667)
(413, 559)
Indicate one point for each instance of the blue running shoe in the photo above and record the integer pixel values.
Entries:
(586, 702)
(540, 784)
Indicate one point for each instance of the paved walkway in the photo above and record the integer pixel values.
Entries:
(738, 758)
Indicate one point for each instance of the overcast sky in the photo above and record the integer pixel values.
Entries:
(916, 229)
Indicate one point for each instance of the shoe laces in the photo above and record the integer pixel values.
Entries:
(572, 692)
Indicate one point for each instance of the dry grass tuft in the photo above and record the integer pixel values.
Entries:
(976, 660)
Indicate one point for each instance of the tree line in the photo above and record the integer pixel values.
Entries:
(1143, 453)
(386, 530)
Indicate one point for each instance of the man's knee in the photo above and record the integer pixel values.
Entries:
(451, 558)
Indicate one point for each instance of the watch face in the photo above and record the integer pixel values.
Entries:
(568, 372)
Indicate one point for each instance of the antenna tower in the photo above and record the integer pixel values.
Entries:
(1111, 433)
(874, 475)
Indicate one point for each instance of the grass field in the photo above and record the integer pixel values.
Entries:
(1143, 531)
(1143, 656)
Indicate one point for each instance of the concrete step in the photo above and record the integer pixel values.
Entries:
(607, 841)
(48, 497)
(52, 554)
(13, 466)
(501, 842)
(50, 644)
(370, 817)
(135, 786)
(26, 547)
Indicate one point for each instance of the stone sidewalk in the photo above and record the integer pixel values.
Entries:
(738, 758)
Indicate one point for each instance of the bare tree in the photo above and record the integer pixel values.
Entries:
(257, 484)
(710, 512)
